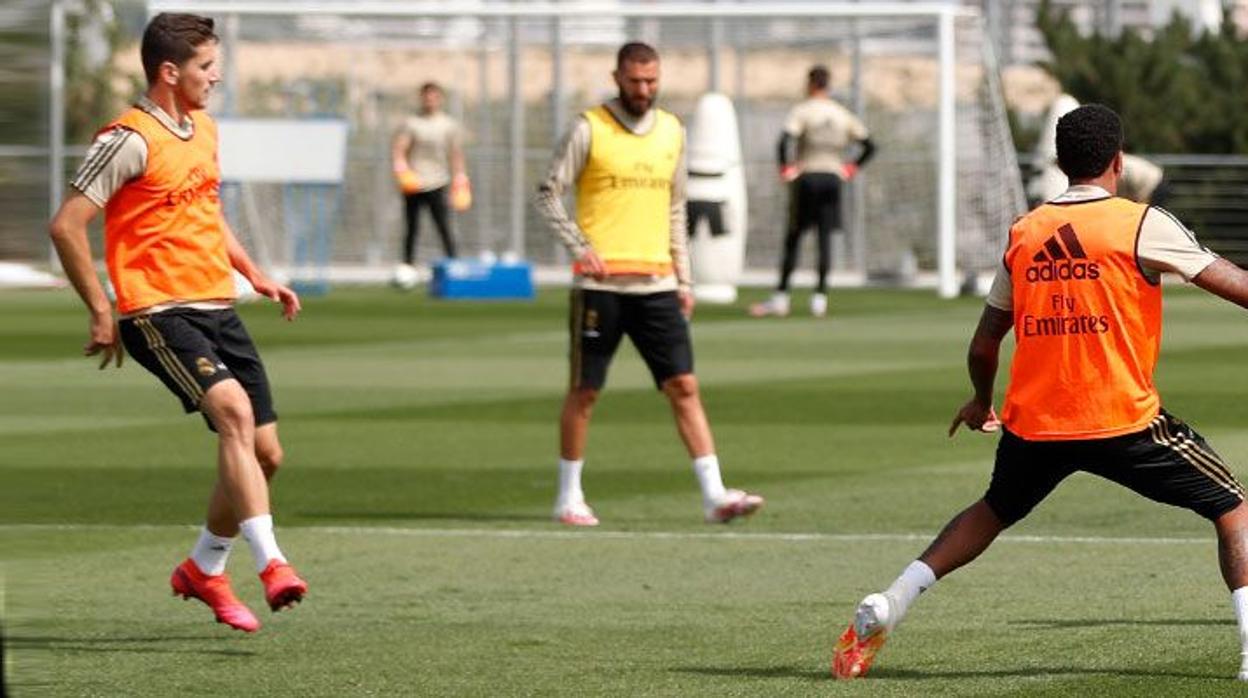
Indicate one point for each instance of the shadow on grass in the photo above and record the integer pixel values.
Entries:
(1022, 672)
(122, 644)
(1054, 624)
(768, 672)
(809, 674)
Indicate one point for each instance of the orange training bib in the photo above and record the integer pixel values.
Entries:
(1087, 323)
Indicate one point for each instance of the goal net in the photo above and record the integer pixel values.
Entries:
(933, 206)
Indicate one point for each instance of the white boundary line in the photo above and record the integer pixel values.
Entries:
(588, 535)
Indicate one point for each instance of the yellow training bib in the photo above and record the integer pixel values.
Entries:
(624, 193)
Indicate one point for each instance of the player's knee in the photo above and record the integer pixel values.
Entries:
(682, 387)
(583, 400)
(270, 458)
(233, 418)
(1235, 518)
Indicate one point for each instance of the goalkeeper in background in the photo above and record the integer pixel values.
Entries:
(428, 157)
(816, 133)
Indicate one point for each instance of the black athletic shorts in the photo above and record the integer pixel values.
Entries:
(599, 319)
(192, 350)
(1167, 462)
(815, 201)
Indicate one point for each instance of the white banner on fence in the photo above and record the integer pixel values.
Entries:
(298, 151)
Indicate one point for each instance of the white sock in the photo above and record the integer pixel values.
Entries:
(709, 479)
(914, 580)
(258, 532)
(570, 481)
(1239, 600)
(211, 551)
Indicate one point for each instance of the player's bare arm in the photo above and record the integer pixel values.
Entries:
(981, 360)
(1224, 279)
(241, 261)
(69, 236)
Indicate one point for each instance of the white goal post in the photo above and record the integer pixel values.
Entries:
(956, 231)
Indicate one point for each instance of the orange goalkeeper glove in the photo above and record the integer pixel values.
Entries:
(407, 180)
(461, 193)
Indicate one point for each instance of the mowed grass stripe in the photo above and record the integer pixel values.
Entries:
(421, 443)
(590, 536)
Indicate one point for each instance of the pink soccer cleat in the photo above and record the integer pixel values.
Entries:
(575, 514)
(190, 583)
(776, 306)
(734, 504)
(282, 587)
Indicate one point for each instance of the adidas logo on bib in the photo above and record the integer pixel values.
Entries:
(1062, 259)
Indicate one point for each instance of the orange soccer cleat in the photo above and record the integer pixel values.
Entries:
(864, 637)
(282, 587)
(854, 655)
(189, 582)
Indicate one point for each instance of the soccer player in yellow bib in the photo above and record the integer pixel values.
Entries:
(626, 160)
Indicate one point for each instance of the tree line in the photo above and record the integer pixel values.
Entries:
(1181, 91)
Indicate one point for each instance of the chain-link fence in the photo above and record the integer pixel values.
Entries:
(516, 78)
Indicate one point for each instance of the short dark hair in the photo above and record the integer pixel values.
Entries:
(635, 52)
(819, 77)
(173, 38)
(1088, 139)
(431, 87)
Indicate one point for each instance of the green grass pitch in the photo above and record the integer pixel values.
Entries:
(421, 446)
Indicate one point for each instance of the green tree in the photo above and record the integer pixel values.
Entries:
(92, 37)
(1177, 92)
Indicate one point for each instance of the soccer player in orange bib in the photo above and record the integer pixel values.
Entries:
(1080, 286)
(626, 160)
(171, 257)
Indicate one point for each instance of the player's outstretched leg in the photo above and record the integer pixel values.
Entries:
(962, 540)
(719, 505)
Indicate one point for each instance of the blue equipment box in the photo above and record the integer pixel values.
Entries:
(476, 279)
